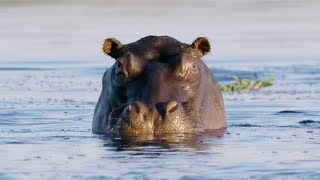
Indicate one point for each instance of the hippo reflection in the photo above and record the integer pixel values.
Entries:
(158, 85)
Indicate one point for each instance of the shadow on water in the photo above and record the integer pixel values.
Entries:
(163, 141)
(305, 122)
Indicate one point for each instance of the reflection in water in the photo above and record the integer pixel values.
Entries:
(163, 141)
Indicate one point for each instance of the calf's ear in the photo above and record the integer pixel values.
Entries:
(112, 46)
(202, 44)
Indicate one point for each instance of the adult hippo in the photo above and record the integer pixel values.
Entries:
(158, 85)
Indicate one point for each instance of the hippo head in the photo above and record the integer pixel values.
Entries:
(167, 88)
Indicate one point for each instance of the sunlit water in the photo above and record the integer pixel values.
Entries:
(50, 80)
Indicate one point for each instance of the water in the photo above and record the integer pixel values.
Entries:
(50, 80)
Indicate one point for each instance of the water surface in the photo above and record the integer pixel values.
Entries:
(50, 80)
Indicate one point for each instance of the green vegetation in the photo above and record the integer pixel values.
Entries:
(244, 84)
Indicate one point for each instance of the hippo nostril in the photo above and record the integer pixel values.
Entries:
(138, 107)
(134, 108)
(171, 107)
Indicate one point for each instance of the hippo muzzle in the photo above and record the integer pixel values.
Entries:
(137, 118)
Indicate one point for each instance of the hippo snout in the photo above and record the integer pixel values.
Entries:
(138, 118)
(133, 120)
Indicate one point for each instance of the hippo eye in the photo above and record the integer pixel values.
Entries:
(194, 66)
(173, 54)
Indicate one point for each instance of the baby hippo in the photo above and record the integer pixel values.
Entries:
(158, 85)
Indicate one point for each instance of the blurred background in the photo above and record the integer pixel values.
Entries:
(266, 31)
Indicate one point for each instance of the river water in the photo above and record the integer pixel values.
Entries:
(51, 64)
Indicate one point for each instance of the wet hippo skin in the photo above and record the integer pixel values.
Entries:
(158, 85)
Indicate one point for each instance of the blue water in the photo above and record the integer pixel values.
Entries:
(50, 80)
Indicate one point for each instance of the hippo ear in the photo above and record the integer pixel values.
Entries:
(112, 46)
(202, 44)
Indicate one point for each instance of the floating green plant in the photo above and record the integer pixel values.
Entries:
(244, 84)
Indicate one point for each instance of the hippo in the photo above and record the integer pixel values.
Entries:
(158, 85)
